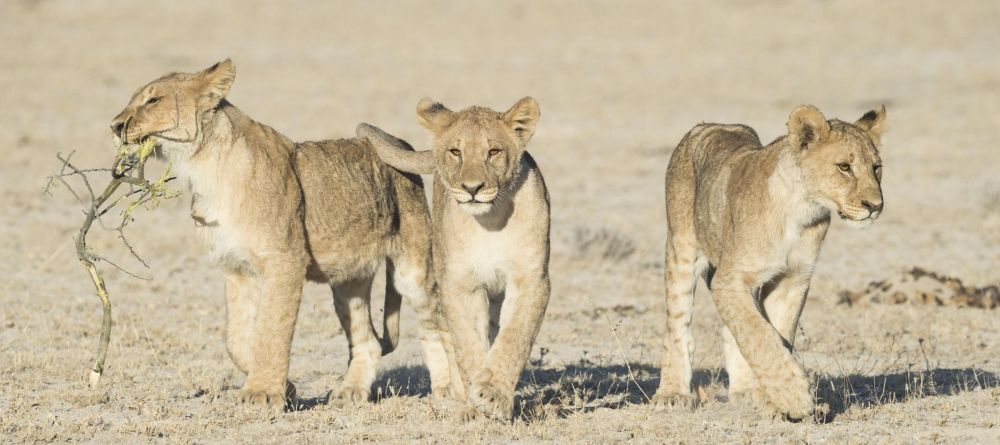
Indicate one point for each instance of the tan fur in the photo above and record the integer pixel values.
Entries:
(751, 219)
(491, 239)
(274, 213)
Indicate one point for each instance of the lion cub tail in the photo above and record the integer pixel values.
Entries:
(396, 152)
(390, 320)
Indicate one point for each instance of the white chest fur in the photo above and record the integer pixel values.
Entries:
(488, 255)
(794, 211)
(215, 213)
(506, 243)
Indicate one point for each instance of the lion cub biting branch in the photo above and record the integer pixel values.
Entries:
(750, 219)
(274, 213)
(490, 236)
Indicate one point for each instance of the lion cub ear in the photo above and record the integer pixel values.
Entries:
(218, 79)
(522, 117)
(434, 116)
(873, 123)
(807, 126)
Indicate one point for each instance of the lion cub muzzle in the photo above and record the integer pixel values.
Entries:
(473, 196)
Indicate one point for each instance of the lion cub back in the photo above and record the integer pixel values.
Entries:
(714, 144)
(353, 203)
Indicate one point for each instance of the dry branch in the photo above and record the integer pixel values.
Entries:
(128, 169)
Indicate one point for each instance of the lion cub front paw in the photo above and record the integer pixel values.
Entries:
(273, 398)
(442, 392)
(663, 401)
(351, 395)
(793, 403)
(751, 398)
(492, 401)
(469, 413)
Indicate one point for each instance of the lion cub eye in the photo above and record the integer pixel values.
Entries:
(877, 168)
(844, 167)
(493, 152)
(455, 152)
(152, 101)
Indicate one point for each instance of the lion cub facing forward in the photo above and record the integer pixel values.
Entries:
(490, 238)
(751, 220)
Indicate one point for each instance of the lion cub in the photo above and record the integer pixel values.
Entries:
(490, 236)
(750, 220)
(274, 213)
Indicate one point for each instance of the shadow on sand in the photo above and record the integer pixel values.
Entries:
(544, 393)
(844, 392)
(584, 387)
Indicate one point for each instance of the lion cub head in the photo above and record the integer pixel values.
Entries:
(477, 151)
(171, 109)
(839, 162)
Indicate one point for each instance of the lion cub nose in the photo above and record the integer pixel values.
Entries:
(472, 187)
(117, 127)
(872, 206)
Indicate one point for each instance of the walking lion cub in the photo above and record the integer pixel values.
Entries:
(274, 213)
(490, 237)
(751, 219)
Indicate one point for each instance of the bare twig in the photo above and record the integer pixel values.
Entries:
(128, 168)
(621, 351)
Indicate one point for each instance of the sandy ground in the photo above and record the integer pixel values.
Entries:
(619, 83)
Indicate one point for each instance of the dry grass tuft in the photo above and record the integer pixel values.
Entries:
(991, 200)
(604, 243)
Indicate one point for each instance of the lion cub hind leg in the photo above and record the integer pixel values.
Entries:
(411, 278)
(351, 300)
(683, 266)
(683, 263)
(782, 381)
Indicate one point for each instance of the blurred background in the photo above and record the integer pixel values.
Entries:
(619, 83)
